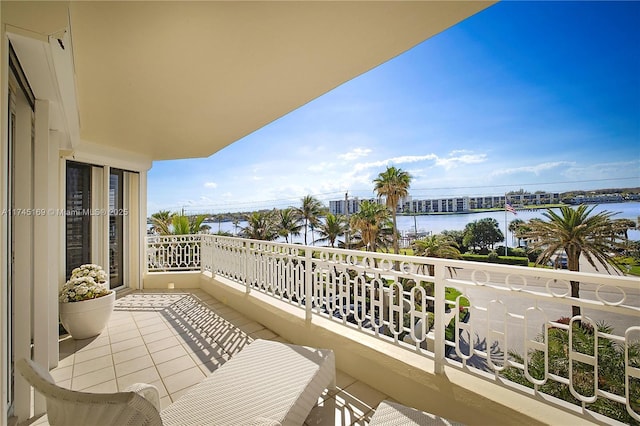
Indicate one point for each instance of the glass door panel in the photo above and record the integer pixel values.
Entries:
(116, 228)
(78, 217)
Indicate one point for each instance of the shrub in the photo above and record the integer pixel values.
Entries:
(611, 369)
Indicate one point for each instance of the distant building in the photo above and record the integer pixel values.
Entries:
(349, 206)
(437, 205)
(597, 198)
(452, 204)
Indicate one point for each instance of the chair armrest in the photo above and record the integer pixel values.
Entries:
(148, 392)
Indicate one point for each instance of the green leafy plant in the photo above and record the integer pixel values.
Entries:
(611, 368)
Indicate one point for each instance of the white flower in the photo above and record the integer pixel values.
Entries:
(87, 282)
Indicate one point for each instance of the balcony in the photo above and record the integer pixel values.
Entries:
(439, 335)
(463, 321)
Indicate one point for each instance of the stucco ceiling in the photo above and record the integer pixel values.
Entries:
(185, 79)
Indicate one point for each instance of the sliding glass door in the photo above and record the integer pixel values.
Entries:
(78, 215)
(116, 228)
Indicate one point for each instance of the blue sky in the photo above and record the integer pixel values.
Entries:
(532, 95)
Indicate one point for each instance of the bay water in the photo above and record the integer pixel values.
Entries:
(436, 223)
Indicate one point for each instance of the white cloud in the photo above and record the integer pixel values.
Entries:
(447, 163)
(320, 167)
(355, 153)
(537, 169)
(210, 185)
(451, 162)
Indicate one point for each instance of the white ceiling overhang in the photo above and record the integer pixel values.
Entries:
(173, 79)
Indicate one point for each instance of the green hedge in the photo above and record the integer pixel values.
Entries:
(505, 260)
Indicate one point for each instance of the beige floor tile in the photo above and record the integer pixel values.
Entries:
(183, 380)
(62, 373)
(107, 387)
(66, 360)
(157, 335)
(129, 354)
(161, 344)
(133, 365)
(120, 326)
(210, 366)
(165, 401)
(146, 375)
(175, 365)
(152, 328)
(139, 317)
(204, 352)
(168, 354)
(88, 355)
(368, 395)
(224, 310)
(177, 395)
(94, 378)
(231, 315)
(250, 327)
(333, 412)
(127, 344)
(264, 334)
(88, 344)
(121, 336)
(81, 368)
(343, 380)
(148, 321)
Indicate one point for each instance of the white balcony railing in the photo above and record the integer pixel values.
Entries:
(495, 321)
(173, 253)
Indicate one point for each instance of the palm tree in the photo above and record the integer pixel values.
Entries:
(161, 222)
(260, 226)
(393, 184)
(184, 225)
(440, 246)
(621, 227)
(309, 211)
(332, 227)
(369, 223)
(288, 223)
(514, 227)
(578, 233)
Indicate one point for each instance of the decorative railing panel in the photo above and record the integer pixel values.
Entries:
(173, 253)
(503, 323)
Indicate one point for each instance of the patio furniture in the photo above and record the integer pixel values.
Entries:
(135, 406)
(393, 414)
(266, 383)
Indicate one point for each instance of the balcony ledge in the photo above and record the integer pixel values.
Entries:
(405, 376)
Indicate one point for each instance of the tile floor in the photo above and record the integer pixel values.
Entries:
(173, 340)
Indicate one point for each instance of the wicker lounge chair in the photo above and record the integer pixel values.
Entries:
(267, 383)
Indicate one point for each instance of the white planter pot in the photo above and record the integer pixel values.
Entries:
(87, 318)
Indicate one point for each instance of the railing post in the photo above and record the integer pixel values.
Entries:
(145, 269)
(245, 266)
(439, 309)
(308, 284)
(202, 254)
